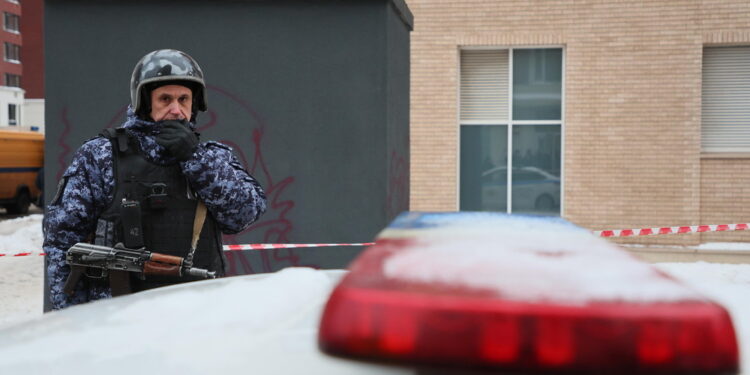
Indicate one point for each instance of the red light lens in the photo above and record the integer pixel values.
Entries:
(371, 316)
(655, 346)
(555, 349)
(499, 341)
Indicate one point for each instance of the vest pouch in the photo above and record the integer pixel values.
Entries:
(132, 230)
(157, 197)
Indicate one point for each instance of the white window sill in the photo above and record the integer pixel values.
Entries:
(725, 155)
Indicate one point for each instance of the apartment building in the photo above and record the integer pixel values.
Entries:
(22, 66)
(32, 29)
(612, 114)
(11, 69)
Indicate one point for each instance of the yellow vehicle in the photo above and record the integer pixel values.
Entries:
(21, 160)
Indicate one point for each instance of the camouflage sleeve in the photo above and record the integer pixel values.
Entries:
(83, 192)
(230, 193)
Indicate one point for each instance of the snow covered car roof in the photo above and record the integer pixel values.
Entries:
(263, 324)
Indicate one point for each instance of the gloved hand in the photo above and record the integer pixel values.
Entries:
(178, 139)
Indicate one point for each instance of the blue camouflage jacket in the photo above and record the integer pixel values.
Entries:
(231, 194)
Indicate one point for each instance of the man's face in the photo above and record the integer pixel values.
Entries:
(171, 102)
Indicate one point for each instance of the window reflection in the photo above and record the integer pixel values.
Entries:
(537, 84)
(483, 149)
(536, 172)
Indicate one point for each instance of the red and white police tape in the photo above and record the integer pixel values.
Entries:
(600, 233)
(266, 246)
(671, 230)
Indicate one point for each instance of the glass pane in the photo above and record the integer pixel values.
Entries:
(536, 169)
(537, 84)
(484, 160)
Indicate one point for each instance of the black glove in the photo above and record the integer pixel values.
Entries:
(178, 139)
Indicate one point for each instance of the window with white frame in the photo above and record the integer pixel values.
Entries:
(12, 52)
(11, 22)
(511, 130)
(725, 112)
(12, 80)
(12, 114)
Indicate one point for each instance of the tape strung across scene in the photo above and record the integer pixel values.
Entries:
(266, 246)
(599, 233)
(671, 230)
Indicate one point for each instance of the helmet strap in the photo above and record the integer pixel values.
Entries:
(144, 110)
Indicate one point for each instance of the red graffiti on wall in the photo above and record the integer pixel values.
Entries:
(64, 147)
(397, 196)
(212, 116)
(275, 225)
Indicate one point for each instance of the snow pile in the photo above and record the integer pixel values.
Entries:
(21, 278)
(208, 327)
(21, 234)
(509, 254)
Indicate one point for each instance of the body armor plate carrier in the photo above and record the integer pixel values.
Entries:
(154, 207)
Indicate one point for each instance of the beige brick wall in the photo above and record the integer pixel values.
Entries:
(632, 105)
(725, 196)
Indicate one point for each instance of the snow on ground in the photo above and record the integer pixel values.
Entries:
(21, 278)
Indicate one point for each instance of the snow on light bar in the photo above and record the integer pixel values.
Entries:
(524, 294)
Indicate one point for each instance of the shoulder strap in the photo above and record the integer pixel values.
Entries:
(120, 134)
(200, 217)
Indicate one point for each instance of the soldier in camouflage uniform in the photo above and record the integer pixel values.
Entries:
(154, 153)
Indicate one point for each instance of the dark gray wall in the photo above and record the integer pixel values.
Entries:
(313, 96)
(397, 102)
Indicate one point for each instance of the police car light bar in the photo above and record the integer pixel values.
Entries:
(521, 294)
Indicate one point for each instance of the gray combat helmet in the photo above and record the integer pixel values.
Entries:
(162, 67)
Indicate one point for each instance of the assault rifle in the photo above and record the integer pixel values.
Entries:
(119, 258)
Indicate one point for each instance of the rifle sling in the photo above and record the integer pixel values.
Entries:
(200, 218)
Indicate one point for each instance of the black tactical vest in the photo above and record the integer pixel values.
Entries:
(167, 212)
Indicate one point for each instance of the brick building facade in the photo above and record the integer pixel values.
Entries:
(32, 29)
(631, 119)
(11, 68)
(11, 39)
